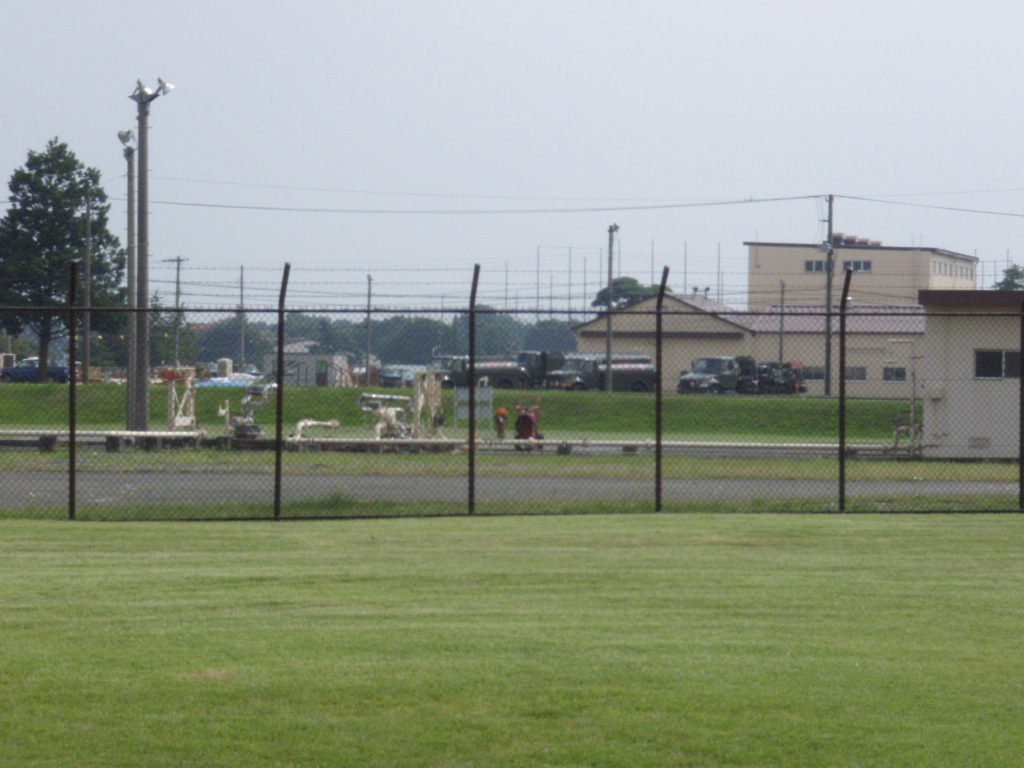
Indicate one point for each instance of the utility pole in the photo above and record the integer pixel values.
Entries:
(611, 303)
(241, 316)
(829, 273)
(177, 305)
(782, 320)
(127, 139)
(87, 298)
(369, 300)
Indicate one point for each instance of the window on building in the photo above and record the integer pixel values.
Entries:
(857, 266)
(996, 364)
(814, 373)
(817, 265)
(890, 373)
(856, 373)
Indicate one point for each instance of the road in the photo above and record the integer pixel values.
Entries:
(23, 490)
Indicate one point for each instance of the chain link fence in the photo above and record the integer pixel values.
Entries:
(675, 404)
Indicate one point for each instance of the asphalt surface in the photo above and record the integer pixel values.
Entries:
(24, 490)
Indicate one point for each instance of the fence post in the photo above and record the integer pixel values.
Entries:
(1020, 419)
(842, 390)
(471, 383)
(278, 444)
(72, 389)
(657, 390)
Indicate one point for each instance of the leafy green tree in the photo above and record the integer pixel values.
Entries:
(497, 334)
(1013, 279)
(43, 230)
(550, 336)
(627, 292)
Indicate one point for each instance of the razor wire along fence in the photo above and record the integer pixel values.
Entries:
(674, 404)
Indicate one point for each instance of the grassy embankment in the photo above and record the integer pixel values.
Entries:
(563, 414)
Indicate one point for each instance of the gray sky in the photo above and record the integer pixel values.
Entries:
(342, 114)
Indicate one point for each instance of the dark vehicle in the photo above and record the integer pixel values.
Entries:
(779, 379)
(399, 375)
(718, 375)
(499, 373)
(28, 371)
(630, 373)
(539, 364)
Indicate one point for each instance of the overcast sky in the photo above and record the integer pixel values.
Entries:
(412, 140)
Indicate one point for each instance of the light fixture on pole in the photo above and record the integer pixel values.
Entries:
(143, 96)
(127, 138)
(611, 303)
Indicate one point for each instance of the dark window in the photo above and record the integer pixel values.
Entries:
(894, 374)
(814, 373)
(996, 364)
(856, 373)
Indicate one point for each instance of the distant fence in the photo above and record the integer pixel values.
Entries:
(370, 412)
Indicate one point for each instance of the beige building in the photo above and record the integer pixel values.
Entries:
(882, 276)
(971, 365)
(882, 342)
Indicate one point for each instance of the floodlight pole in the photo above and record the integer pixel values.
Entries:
(132, 373)
(142, 96)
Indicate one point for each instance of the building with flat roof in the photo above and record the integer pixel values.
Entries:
(797, 273)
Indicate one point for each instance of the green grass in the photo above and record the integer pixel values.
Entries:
(102, 406)
(672, 640)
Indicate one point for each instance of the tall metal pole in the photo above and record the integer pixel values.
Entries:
(87, 293)
(782, 320)
(177, 305)
(131, 415)
(369, 305)
(142, 272)
(829, 273)
(142, 96)
(241, 316)
(611, 303)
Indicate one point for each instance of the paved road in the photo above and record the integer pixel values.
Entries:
(21, 490)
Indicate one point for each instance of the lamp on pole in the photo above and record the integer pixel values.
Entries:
(127, 138)
(143, 96)
(611, 303)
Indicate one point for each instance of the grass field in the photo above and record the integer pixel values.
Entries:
(652, 640)
(568, 414)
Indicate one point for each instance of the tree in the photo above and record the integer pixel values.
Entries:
(1013, 279)
(627, 292)
(43, 230)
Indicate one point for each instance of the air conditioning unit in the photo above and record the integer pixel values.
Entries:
(6, 359)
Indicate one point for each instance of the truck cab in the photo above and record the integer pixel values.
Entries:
(718, 375)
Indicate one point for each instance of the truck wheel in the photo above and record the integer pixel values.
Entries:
(578, 387)
(51, 378)
(505, 384)
(717, 391)
(639, 386)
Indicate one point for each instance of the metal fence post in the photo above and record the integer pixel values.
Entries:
(1020, 418)
(471, 383)
(278, 444)
(658, 338)
(72, 401)
(842, 390)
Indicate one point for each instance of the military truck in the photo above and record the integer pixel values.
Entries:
(718, 375)
(579, 373)
(500, 373)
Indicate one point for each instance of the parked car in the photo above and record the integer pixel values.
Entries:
(27, 370)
